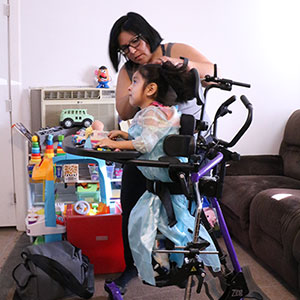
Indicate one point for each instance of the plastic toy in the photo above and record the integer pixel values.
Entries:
(104, 182)
(102, 209)
(49, 152)
(35, 151)
(89, 193)
(60, 220)
(23, 130)
(35, 225)
(30, 169)
(44, 172)
(39, 240)
(94, 135)
(98, 125)
(102, 77)
(42, 133)
(82, 207)
(59, 150)
(75, 117)
(71, 173)
(118, 172)
(56, 131)
(104, 149)
(93, 169)
(58, 171)
(68, 209)
(88, 132)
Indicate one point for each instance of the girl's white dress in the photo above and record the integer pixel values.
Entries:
(148, 129)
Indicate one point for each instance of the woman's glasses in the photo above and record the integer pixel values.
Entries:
(134, 43)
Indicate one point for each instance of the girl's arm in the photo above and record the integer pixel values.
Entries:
(125, 110)
(111, 142)
(118, 133)
(122, 145)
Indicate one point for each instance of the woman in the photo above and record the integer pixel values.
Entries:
(134, 38)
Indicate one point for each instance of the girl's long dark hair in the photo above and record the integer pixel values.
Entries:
(175, 83)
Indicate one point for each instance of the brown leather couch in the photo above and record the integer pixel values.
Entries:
(261, 204)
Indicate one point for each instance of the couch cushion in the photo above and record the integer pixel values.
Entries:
(277, 213)
(239, 191)
(274, 226)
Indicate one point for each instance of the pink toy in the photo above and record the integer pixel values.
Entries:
(210, 216)
(98, 125)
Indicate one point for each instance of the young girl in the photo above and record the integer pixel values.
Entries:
(155, 89)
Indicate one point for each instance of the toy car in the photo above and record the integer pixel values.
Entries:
(75, 117)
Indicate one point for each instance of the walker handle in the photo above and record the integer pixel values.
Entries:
(225, 84)
(245, 101)
(222, 83)
(244, 128)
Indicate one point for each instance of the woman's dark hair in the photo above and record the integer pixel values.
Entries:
(136, 24)
(175, 83)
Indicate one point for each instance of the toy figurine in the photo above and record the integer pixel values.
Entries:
(102, 77)
(98, 125)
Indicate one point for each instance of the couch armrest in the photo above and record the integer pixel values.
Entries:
(256, 165)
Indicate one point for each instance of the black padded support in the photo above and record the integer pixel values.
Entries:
(179, 145)
(184, 143)
(187, 124)
(162, 190)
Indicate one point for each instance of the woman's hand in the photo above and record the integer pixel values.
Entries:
(196, 59)
(173, 60)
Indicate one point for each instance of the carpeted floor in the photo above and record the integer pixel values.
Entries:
(269, 285)
(7, 283)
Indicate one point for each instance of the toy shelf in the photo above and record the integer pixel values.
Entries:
(48, 191)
